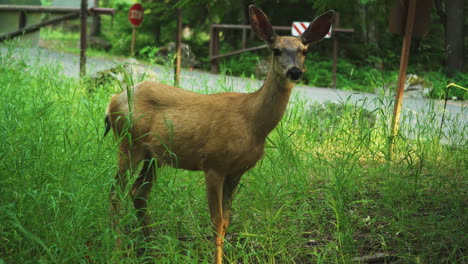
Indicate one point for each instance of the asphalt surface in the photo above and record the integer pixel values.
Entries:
(415, 111)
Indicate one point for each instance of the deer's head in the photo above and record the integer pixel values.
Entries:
(289, 52)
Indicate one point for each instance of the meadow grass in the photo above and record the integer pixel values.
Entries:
(324, 191)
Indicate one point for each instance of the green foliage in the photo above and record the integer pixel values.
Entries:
(149, 51)
(49, 203)
(244, 64)
(368, 58)
(318, 70)
(462, 80)
(439, 82)
(323, 193)
(65, 41)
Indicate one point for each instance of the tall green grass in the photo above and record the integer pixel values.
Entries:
(323, 193)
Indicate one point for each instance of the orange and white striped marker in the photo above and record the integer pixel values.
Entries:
(299, 27)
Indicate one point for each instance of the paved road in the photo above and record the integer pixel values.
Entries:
(414, 111)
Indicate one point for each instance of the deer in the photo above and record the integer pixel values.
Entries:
(221, 134)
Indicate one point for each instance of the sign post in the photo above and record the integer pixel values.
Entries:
(402, 21)
(135, 16)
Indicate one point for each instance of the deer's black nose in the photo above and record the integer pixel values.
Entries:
(294, 74)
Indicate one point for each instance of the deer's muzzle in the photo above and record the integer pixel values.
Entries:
(294, 74)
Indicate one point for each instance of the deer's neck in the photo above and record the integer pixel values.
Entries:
(270, 102)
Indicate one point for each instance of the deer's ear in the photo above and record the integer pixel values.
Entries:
(319, 28)
(261, 25)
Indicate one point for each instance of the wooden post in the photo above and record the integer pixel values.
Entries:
(211, 53)
(22, 20)
(214, 49)
(335, 48)
(132, 49)
(405, 50)
(83, 16)
(244, 38)
(178, 48)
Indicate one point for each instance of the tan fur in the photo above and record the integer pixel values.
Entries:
(221, 134)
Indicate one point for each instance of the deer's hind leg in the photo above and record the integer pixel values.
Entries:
(127, 163)
(140, 191)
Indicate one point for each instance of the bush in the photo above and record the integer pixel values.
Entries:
(440, 82)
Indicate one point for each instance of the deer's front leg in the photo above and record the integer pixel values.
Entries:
(229, 189)
(214, 189)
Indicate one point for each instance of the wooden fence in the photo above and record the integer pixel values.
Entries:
(214, 43)
(69, 13)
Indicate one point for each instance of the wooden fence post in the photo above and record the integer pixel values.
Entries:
(178, 48)
(22, 20)
(83, 16)
(214, 49)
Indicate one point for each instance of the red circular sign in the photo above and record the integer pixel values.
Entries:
(135, 14)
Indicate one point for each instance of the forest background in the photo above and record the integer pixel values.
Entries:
(368, 58)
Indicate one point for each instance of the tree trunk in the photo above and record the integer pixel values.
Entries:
(363, 15)
(372, 24)
(455, 35)
(157, 33)
(157, 22)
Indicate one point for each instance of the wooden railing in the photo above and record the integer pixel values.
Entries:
(69, 13)
(214, 43)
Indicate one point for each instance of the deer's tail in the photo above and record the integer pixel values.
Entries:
(108, 125)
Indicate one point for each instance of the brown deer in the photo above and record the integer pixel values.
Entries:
(221, 134)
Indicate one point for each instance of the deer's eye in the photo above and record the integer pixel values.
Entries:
(304, 52)
(276, 52)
